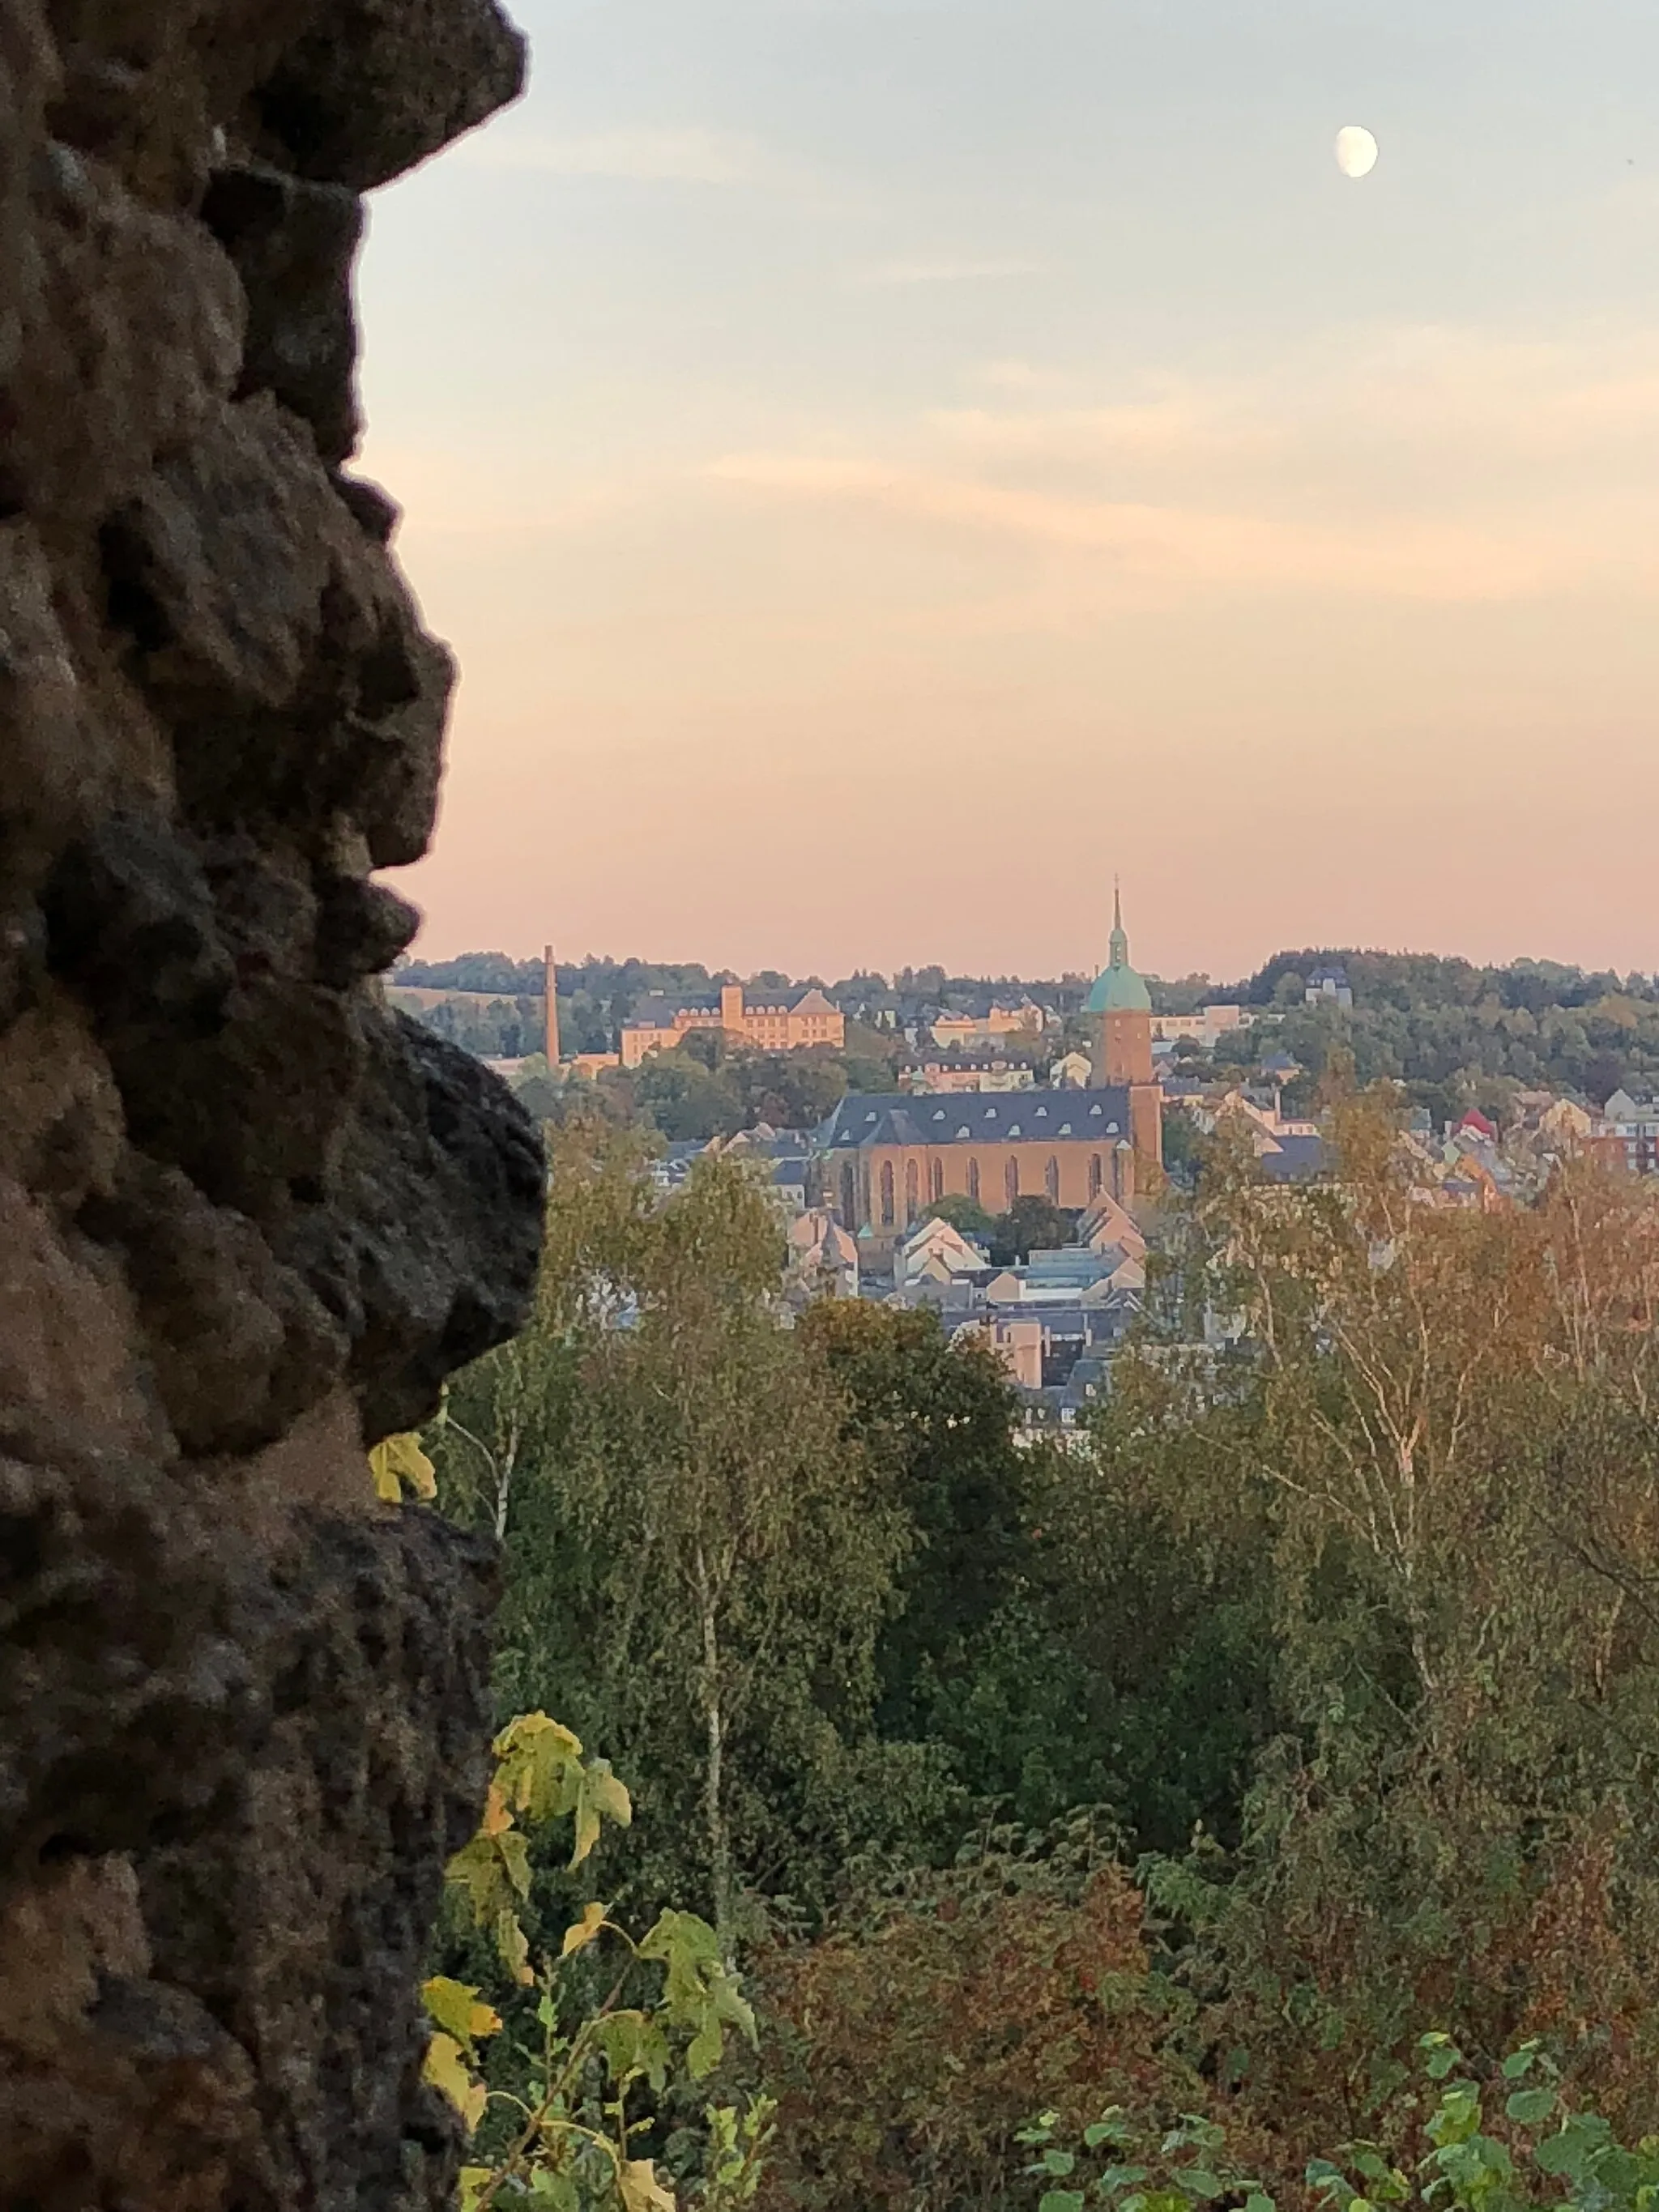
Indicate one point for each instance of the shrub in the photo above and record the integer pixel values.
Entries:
(907, 2046)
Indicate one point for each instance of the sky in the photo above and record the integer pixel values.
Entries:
(887, 466)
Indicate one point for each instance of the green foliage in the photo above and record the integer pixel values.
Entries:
(495, 1027)
(1030, 1224)
(708, 1087)
(1444, 1435)
(1456, 1035)
(568, 2138)
(1346, 1636)
(1140, 1668)
(685, 1098)
(1470, 2144)
(934, 1422)
(700, 1557)
(1182, 1148)
(1066, 1630)
(964, 1213)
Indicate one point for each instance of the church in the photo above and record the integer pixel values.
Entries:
(883, 1160)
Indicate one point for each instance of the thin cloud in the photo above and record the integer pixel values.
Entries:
(1550, 399)
(1449, 467)
(641, 156)
(1178, 425)
(1175, 549)
(1469, 401)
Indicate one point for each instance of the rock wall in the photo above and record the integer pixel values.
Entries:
(248, 1218)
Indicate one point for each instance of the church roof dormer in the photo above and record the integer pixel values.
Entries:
(1118, 988)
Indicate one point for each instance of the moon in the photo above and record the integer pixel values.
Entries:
(1356, 150)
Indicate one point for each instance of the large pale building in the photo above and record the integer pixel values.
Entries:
(810, 1020)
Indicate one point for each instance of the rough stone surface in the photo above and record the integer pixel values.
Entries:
(249, 1218)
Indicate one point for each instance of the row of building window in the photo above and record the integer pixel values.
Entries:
(888, 1185)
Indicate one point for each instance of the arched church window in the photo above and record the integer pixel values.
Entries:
(972, 1181)
(887, 1200)
(1051, 1180)
(849, 1196)
(936, 1179)
(1094, 1175)
(911, 1191)
(1011, 1179)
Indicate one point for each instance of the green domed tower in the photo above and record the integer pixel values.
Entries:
(1118, 989)
(1123, 1007)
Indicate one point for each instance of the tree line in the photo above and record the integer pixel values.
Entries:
(1453, 1034)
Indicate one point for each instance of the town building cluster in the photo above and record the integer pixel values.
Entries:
(991, 1046)
(991, 1110)
(857, 1193)
(1053, 1319)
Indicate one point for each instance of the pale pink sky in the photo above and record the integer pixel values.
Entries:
(855, 557)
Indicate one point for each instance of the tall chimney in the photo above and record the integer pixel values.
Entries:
(552, 987)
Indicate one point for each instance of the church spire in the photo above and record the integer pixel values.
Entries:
(1118, 989)
(1119, 942)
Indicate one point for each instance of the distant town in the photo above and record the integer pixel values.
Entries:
(999, 1150)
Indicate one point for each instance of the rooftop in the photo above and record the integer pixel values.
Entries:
(1294, 1159)
(977, 1117)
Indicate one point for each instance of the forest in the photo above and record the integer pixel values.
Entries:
(1457, 1036)
(1251, 1804)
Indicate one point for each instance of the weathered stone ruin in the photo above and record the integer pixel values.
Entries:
(248, 1218)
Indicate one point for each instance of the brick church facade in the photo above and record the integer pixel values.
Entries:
(885, 1159)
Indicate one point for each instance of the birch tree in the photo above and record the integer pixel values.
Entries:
(699, 1557)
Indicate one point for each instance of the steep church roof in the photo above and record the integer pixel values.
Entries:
(975, 1117)
(1118, 988)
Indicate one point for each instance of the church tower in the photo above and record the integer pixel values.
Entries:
(1122, 1005)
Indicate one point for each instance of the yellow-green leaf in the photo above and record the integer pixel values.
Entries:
(539, 1766)
(641, 2191)
(396, 1461)
(600, 1796)
(513, 1945)
(417, 1470)
(633, 2043)
(476, 1869)
(514, 1853)
(610, 1798)
(475, 2179)
(445, 2068)
(457, 2008)
(530, 1729)
(702, 2053)
(580, 1933)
